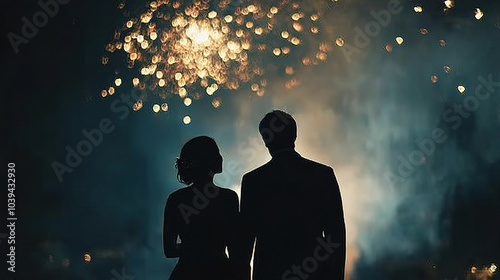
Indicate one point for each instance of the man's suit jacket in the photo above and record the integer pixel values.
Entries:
(292, 208)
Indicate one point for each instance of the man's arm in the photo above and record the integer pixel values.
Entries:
(335, 228)
(247, 230)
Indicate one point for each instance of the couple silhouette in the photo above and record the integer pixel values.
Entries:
(290, 220)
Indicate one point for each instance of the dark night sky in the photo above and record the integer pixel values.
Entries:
(111, 204)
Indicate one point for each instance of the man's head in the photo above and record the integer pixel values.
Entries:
(278, 130)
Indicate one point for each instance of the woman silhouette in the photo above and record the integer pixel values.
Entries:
(202, 215)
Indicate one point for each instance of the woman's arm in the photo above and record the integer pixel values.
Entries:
(247, 234)
(170, 231)
(233, 231)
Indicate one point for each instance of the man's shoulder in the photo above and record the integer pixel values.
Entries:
(316, 165)
(228, 192)
(306, 163)
(257, 171)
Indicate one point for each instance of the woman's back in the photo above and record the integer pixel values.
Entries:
(205, 224)
(204, 221)
(202, 215)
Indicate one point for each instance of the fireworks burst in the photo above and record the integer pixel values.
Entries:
(195, 48)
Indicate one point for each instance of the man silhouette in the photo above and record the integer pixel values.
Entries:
(291, 208)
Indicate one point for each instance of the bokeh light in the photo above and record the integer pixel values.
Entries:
(87, 258)
(183, 48)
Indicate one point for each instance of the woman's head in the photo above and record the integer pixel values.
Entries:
(199, 160)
